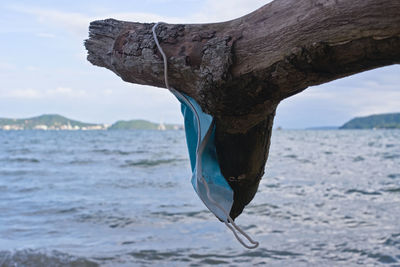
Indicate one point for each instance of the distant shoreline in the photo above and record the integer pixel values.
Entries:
(182, 129)
(55, 122)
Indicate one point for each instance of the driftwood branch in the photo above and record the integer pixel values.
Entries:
(240, 70)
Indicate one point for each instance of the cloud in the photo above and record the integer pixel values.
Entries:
(141, 17)
(45, 35)
(78, 23)
(32, 68)
(376, 91)
(357, 101)
(372, 92)
(30, 93)
(65, 91)
(367, 100)
(73, 22)
(223, 10)
(107, 92)
(375, 103)
(5, 66)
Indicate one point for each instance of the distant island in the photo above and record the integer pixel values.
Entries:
(143, 125)
(381, 121)
(48, 122)
(58, 122)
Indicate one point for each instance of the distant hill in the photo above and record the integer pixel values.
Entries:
(142, 125)
(381, 121)
(47, 122)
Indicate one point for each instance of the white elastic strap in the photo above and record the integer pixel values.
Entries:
(229, 219)
(200, 150)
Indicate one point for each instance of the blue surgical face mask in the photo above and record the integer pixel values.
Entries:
(200, 130)
(207, 179)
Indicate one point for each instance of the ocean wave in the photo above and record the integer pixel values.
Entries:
(178, 216)
(115, 152)
(393, 190)
(20, 160)
(29, 189)
(390, 156)
(393, 241)
(21, 172)
(358, 158)
(151, 255)
(394, 175)
(19, 151)
(196, 258)
(101, 217)
(81, 162)
(148, 162)
(376, 256)
(39, 258)
(362, 192)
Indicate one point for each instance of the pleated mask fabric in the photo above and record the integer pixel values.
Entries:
(200, 135)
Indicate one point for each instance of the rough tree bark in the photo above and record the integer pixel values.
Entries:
(240, 70)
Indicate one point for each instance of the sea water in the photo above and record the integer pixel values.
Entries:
(124, 198)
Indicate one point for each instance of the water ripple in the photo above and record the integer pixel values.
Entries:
(178, 216)
(100, 217)
(115, 152)
(380, 257)
(393, 241)
(390, 156)
(21, 160)
(37, 258)
(393, 190)
(362, 192)
(394, 175)
(154, 255)
(149, 162)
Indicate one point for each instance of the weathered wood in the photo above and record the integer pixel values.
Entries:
(240, 70)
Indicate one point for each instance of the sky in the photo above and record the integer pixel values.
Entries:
(43, 67)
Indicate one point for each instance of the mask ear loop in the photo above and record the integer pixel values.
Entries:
(232, 226)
